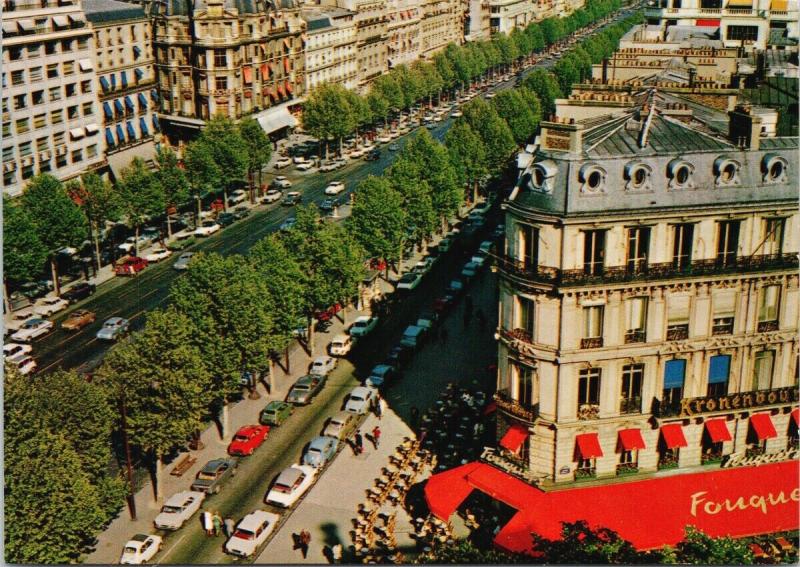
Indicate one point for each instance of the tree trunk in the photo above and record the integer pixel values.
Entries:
(169, 225)
(199, 212)
(271, 377)
(260, 181)
(310, 336)
(286, 359)
(157, 477)
(54, 272)
(474, 190)
(252, 192)
(225, 417)
(6, 303)
(96, 238)
(136, 242)
(225, 198)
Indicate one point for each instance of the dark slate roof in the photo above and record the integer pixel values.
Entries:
(788, 142)
(181, 7)
(318, 22)
(101, 11)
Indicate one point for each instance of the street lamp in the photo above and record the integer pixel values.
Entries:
(124, 424)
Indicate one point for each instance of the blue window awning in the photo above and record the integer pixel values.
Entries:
(107, 111)
(120, 134)
(123, 79)
(109, 138)
(131, 131)
(674, 373)
(129, 104)
(104, 84)
(143, 126)
(142, 101)
(118, 107)
(719, 368)
(154, 95)
(137, 51)
(113, 81)
(139, 74)
(156, 124)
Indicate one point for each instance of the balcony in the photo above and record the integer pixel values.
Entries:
(504, 401)
(588, 412)
(592, 342)
(514, 467)
(678, 332)
(767, 326)
(722, 327)
(585, 473)
(667, 461)
(741, 401)
(711, 458)
(547, 275)
(630, 405)
(635, 336)
(625, 469)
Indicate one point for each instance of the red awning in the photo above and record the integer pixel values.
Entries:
(286, 64)
(514, 437)
(444, 492)
(589, 446)
(264, 71)
(288, 86)
(673, 435)
(273, 94)
(248, 74)
(718, 430)
(796, 416)
(763, 426)
(709, 23)
(280, 90)
(631, 439)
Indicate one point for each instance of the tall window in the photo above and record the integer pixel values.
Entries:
(522, 386)
(727, 242)
(724, 305)
(768, 304)
(674, 377)
(524, 317)
(762, 369)
(678, 317)
(592, 326)
(747, 33)
(636, 320)
(718, 373)
(528, 252)
(594, 243)
(773, 236)
(638, 248)
(220, 58)
(682, 245)
(631, 393)
(589, 393)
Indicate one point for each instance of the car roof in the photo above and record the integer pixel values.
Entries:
(323, 359)
(307, 379)
(341, 338)
(342, 417)
(289, 476)
(140, 538)
(247, 429)
(361, 390)
(253, 520)
(275, 404)
(320, 442)
(180, 498)
(381, 368)
(35, 320)
(213, 465)
(364, 318)
(114, 321)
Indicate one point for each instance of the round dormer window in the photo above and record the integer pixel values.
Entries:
(639, 177)
(592, 178)
(776, 170)
(543, 175)
(682, 175)
(728, 173)
(595, 180)
(538, 177)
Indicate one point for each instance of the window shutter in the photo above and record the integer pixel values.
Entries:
(678, 309)
(724, 303)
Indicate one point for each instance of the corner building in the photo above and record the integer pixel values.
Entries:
(648, 299)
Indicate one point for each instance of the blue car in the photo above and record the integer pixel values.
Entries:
(320, 451)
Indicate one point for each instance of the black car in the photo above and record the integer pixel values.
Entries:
(79, 291)
(291, 199)
(241, 212)
(327, 204)
(373, 155)
(226, 219)
(399, 356)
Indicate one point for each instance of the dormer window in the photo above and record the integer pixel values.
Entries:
(774, 168)
(592, 178)
(543, 176)
(638, 176)
(680, 174)
(726, 172)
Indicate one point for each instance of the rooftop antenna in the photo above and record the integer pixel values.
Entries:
(651, 104)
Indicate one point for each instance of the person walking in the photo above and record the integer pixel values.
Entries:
(376, 436)
(378, 406)
(229, 526)
(305, 540)
(336, 552)
(216, 520)
(359, 442)
(207, 522)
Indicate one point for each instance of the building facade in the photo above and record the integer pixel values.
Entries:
(442, 23)
(505, 15)
(331, 48)
(51, 120)
(649, 298)
(404, 43)
(126, 82)
(476, 20)
(371, 36)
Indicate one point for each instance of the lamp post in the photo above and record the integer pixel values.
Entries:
(129, 466)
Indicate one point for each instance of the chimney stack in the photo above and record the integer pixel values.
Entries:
(744, 128)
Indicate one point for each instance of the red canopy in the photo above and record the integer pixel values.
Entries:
(631, 439)
(796, 416)
(714, 23)
(514, 437)
(589, 446)
(673, 435)
(445, 491)
(763, 426)
(718, 430)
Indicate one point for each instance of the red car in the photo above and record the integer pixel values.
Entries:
(248, 439)
(328, 314)
(130, 266)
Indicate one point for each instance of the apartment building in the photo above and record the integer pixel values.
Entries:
(442, 23)
(51, 120)
(331, 54)
(505, 15)
(371, 21)
(476, 20)
(126, 83)
(404, 33)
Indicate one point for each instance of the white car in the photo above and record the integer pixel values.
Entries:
(328, 166)
(24, 363)
(130, 243)
(357, 153)
(359, 399)
(281, 182)
(305, 166)
(299, 159)
(184, 234)
(334, 188)
(237, 197)
(13, 349)
(272, 196)
(323, 365)
(340, 425)
(340, 345)
(363, 325)
(283, 162)
(178, 508)
(490, 96)
(290, 485)
(31, 329)
(384, 139)
(424, 265)
(183, 260)
(479, 260)
(252, 531)
(140, 548)
(456, 114)
(409, 280)
(50, 305)
(207, 228)
(158, 254)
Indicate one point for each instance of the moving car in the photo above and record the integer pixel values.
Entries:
(469, 270)
(340, 345)
(281, 182)
(178, 508)
(275, 413)
(380, 374)
(424, 265)
(50, 305)
(283, 162)
(334, 188)
(130, 243)
(241, 212)
(305, 166)
(412, 336)
(130, 266)
(24, 362)
(328, 166)
(328, 204)
(183, 261)
(237, 197)
(78, 319)
(226, 219)
(113, 329)
(359, 399)
(248, 439)
(290, 485)
(31, 329)
(305, 389)
(158, 254)
(292, 198)
(79, 291)
(288, 224)
(323, 365)
(456, 114)
(208, 228)
(409, 281)
(213, 475)
(363, 325)
(13, 349)
(272, 196)
(320, 451)
(373, 155)
(140, 548)
(340, 425)
(251, 532)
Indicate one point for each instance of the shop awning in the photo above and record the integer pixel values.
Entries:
(143, 126)
(718, 430)
(708, 23)
(631, 439)
(779, 5)
(61, 21)
(120, 134)
(142, 100)
(673, 436)
(445, 491)
(85, 64)
(25, 25)
(131, 131)
(109, 138)
(763, 426)
(275, 119)
(129, 103)
(674, 372)
(247, 72)
(76, 133)
(156, 124)
(107, 111)
(123, 79)
(796, 416)
(740, 3)
(92, 128)
(139, 73)
(9, 28)
(514, 437)
(589, 446)
(719, 369)
(118, 107)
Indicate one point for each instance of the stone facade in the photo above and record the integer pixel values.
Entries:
(505, 15)
(405, 42)
(331, 52)
(371, 34)
(441, 24)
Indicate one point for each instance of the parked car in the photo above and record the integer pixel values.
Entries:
(424, 265)
(32, 329)
(359, 399)
(251, 532)
(288, 224)
(283, 162)
(130, 266)
(320, 451)
(479, 261)
(299, 160)
(78, 319)
(113, 329)
(427, 320)
(79, 291)
(292, 198)
(328, 166)
(50, 305)
(272, 196)
(328, 204)
(384, 139)
(340, 425)
(158, 254)
(11, 350)
(363, 325)
(373, 155)
(214, 474)
(305, 388)
(290, 485)
(322, 365)
(226, 219)
(469, 271)
(281, 182)
(130, 243)
(24, 362)
(394, 147)
(238, 196)
(340, 345)
(305, 166)
(208, 228)
(248, 439)
(334, 188)
(182, 262)
(380, 375)
(178, 508)
(399, 356)
(412, 336)
(140, 549)
(275, 413)
(455, 287)
(409, 280)
(444, 244)
(482, 208)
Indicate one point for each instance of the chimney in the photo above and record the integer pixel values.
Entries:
(744, 128)
(692, 74)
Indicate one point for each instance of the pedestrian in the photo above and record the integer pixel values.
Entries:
(477, 429)
(229, 525)
(378, 406)
(376, 436)
(305, 540)
(359, 442)
(216, 520)
(208, 522)
(336, 552)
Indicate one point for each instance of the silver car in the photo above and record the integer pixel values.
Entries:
(305, 389)
(182, 262)
(113, 329)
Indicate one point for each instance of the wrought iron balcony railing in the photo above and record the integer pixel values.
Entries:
(504, 401)
(767, 326)
(678, 332)
(592, 342)
(630, 405)
(635, 336)
(737, 401)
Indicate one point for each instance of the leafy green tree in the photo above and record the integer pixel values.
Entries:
(461, 63)
(410, 84)
(403, 175)
(697, 548)
(567, 74)
(228, 150)
(431, 80)
(378, 220)
(507, 48)
(388, 87)
(162, 379)
(582, 545)
(552, 30)
(445, 70)
(546, 87)
(497, 138)
(466, 154)
(24, 253)
(522, 42)
(58, 220)
(327, 114)
(361, 110)
(523, 120)
(202, 171)
(259, 150)
(173, 181)
(378, 106)
(141, 195)
(535, 37)
(462, 552)
(100, 202)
